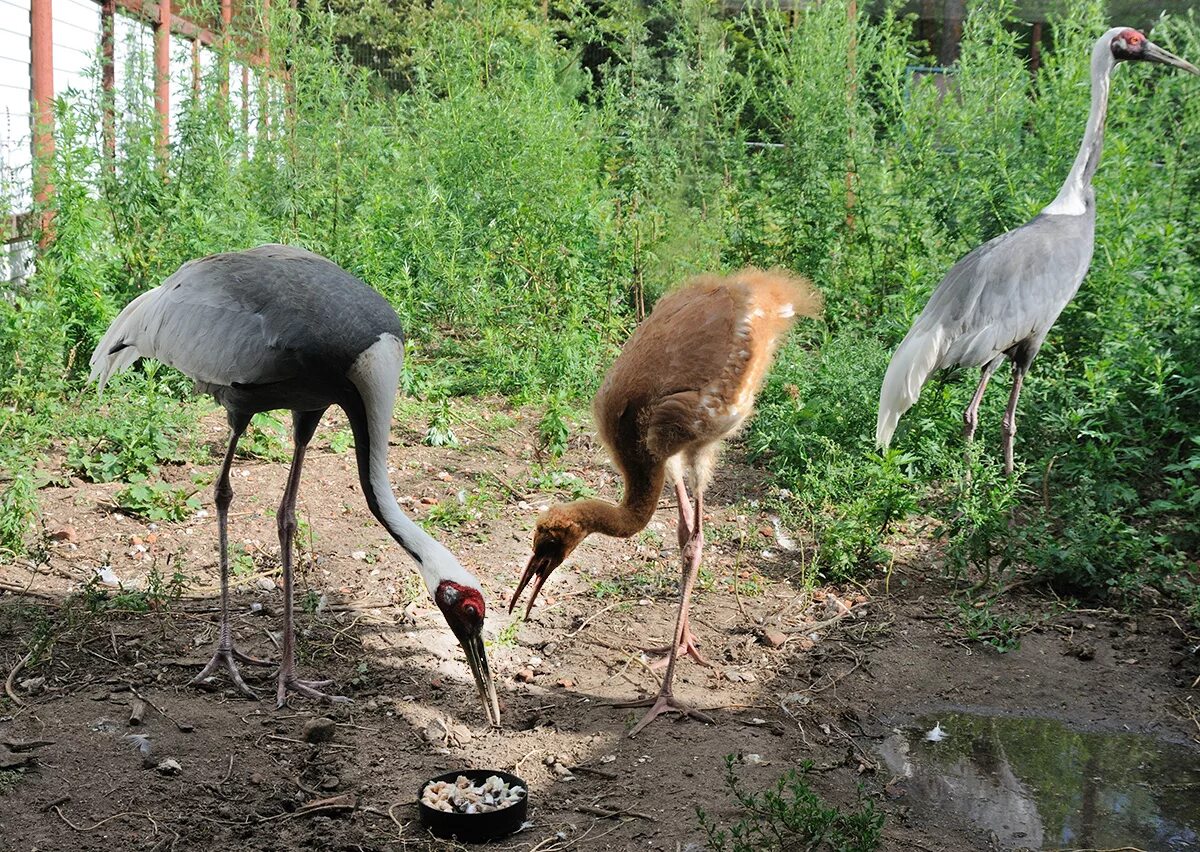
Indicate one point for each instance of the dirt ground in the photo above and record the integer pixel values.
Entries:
(248, 780)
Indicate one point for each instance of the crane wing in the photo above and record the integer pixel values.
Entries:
(255, 317)
(1008, 291)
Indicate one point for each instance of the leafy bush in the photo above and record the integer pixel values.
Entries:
(522, 187)
(791, 815)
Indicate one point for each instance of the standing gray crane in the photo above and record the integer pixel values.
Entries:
(1001, 300)
(280, 327)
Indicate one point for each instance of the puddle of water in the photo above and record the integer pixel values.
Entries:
(1037, 784)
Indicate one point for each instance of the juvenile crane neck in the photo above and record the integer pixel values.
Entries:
(628, 517)
(1075, 196)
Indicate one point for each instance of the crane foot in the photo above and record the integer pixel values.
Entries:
(689, 646)
(288, 682)
(228, 658)
(664, 703)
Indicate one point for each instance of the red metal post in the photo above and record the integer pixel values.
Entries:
(108, 11)
(246, 111)
(41, 44)
(264, 81)
(162, 74)
(226, 27)
(196, 69)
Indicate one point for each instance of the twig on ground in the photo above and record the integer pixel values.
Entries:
(591, 770)
(605, 813)
(819, 625)
(12, 676)
(590, 619)
(63, 817)
(183, 727)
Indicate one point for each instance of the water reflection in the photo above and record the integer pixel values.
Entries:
(1037, 784)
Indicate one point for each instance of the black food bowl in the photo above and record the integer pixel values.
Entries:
(474, 828)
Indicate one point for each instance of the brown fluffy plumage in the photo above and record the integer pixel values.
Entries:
(686, 379)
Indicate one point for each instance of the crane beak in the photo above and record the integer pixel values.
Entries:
(478, 661)
(1154, 53)
(540, 567)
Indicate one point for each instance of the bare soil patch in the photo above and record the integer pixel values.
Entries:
(247, 779)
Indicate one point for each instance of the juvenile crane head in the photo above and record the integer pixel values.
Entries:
(462, 605)
(1130, 45)
(558, 533)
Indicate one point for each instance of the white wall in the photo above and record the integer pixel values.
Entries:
(15, 143)
(76, 31)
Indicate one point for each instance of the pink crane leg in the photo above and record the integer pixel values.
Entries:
(688, 645)
(304, 424)
(666, 702)
(1010, 419)
(227, 656)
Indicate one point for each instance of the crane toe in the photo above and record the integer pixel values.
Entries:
(228, 658)
(664, 703)
(288, 682)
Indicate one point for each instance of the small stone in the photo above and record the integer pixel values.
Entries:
(330, 782)
(564, 682)
(772, 638)
(524, 676)
(752, 759)
(608, 758)
(319, 730)
(65, 533)
(733, 677)
(170, 766)
(33, 685)
(266, 584)
(359, 555)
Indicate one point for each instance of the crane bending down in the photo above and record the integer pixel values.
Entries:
(1002, 299)
(686, 379)
(280, 327)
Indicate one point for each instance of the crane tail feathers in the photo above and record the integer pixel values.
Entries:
(914, 359)
(118, 348)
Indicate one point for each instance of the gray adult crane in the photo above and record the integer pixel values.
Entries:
(1001, 300)
(280, 327)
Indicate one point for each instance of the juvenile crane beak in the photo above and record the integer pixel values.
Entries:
(1154, 53)
(539, 566)
(477, 659)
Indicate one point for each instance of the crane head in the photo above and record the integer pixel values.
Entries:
(1129, 44)
(557, 534)
(463, 608)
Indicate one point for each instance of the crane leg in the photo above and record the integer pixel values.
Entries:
(227, 656)
(1010, 418)
(304, 424)
(689, 645)
(666, 702)
(971, 415)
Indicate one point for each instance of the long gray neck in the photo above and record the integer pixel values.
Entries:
(375, 374)
(1076, 192)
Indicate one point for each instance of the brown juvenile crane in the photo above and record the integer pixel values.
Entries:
(686, 379)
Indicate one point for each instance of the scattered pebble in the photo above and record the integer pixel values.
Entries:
(524, 676)
(65, 533)
(772, 638)
(170, 766)
(319, 730)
